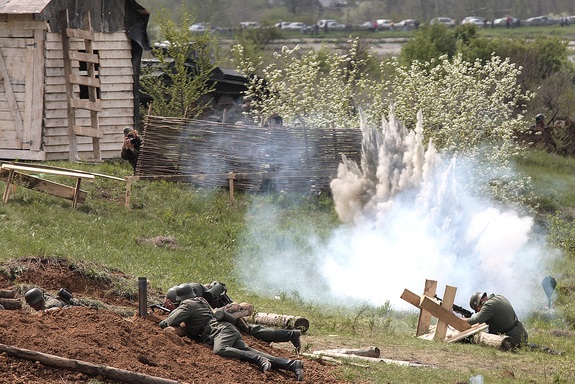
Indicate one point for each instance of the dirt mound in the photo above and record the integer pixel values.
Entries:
(101, 335)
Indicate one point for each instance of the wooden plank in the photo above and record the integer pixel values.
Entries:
(47, 186)
(447, 303)
(14, 110)
(46, 170)
(64, 22)
(37, 106)
(462, 335)
(425, 317)
(411, 298)
(444, 315)
(79, 34)
(84, 56)
(86, 104)
(24, 25)
(88, 132)
(84, 80)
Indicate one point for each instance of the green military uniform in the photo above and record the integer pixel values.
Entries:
(224, 337)
(500, 316)
(54, 302)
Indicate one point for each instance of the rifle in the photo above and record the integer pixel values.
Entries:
(457, 309)
(551, 120)
(160, 307)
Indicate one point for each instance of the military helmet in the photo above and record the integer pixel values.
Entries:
(183, 292)
(476, 299)
(171, 294)
(539, 117)
(33, 296)
(198, 289)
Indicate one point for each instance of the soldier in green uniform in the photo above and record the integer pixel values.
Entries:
(225, 339)
(41, 301)
(498, 313)
(215, 294)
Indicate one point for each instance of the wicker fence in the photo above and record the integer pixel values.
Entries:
(204, 152)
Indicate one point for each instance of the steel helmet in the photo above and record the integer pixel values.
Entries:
(171, 294)
(476, 299)
(33, 296)
(539, 117)
(198, 289)
(183, 292)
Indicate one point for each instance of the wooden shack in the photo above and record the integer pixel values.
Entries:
(69, 77)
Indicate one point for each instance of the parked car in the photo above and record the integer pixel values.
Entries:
(475, 20)
(249, 24)
(335, 26)
(203, 27)
(367, 26)
(447, 21)
(406, 24)
(540, 20)
(323, 22)
(502, 22)
(384, 24)
(294, 26)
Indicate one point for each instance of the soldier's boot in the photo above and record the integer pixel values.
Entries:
(261, 361)
(296, 366)
(292, 336)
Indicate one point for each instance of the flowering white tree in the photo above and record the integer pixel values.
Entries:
(469, 108)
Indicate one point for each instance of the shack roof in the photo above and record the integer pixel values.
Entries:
(17, 7)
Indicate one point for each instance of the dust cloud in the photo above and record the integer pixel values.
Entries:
(408, 214)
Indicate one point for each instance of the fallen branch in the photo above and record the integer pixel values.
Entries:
(85, 367)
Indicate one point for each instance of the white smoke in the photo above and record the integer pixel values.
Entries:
(408, 215)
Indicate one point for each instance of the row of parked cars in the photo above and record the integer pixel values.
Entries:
(505, 21)
(387, 24)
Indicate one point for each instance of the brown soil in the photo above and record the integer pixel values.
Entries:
(110, 333)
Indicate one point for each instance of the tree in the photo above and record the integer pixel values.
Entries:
(177, 78)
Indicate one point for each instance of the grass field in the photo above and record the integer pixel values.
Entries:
(207, 229)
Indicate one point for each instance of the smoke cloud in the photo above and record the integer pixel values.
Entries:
(408, 214)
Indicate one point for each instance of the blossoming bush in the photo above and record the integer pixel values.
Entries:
(469, 108)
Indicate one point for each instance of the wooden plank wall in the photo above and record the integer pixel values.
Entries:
(117, 96)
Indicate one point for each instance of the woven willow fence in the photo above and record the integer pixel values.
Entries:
(260, 158)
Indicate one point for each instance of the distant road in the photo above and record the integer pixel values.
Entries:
(383, 46)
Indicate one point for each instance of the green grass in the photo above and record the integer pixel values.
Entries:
(208, 229)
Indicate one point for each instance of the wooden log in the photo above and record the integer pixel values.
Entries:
(502, 342)
(365, 351)
(370, 359)
(7, 293)
(11, 304)
(282, 321)
(85, 367)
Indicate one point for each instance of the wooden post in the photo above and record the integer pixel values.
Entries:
(424, 316)
(8, 185)
(502, 342)
(447, 303)
(128, 191)
(231, 182)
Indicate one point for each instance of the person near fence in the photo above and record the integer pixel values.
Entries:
(498, 313)
(131, 147)
(216, 295)
(225, 339)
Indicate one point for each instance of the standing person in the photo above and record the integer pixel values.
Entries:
(498, 313)
(215, 294)
(131, 147)
(225, 339)
(40, 301)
